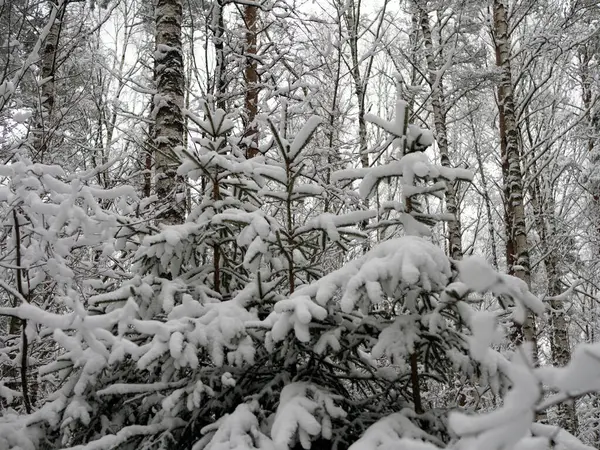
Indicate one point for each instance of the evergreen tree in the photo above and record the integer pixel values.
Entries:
(277, 355)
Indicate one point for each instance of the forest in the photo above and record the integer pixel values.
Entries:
(299, 224)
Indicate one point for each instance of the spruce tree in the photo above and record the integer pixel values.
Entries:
(278, 353)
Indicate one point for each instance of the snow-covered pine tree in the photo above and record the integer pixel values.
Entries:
(328, 363)
(58, 242)
(165, 361)
(166, 334)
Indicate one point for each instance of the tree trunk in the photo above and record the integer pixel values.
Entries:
(168, 110)
(559, 327)
(218, 30)
(351, 13)
(251, 78)
(517, 250)
(439, 117)
(147, 158)
(41, 133)
(352, 19)
(219, 87)
(352, 16)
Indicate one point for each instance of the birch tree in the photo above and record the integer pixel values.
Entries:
(168, 110)
(546, 120)
(517, 247)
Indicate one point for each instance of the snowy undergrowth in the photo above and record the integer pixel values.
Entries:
(224, 332)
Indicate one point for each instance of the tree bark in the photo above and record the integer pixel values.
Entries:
(46, 85)
(544, 210)
(24, 340)
(219, 94)
(251, 78)
(586, 56)
(517, 249)
(218, 30)
(439, 118)
(168, 110)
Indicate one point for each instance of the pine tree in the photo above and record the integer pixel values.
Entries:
(281, 355)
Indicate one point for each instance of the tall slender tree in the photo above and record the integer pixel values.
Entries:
(517, 248)
(168, 110)
(42, 131)
(435, 81)
(251, 78)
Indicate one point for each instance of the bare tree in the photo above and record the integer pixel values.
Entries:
(517, 249)
(49, 55)
(351, 14)
(435, 81)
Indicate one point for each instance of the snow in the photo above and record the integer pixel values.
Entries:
(273, 173)
(227, 379)
(7, 393)
(331, 223)
(392, 266)
(252, 257)
(397, 264)
(581, 375)
(297, 313)
(126, 433)
(484, 335)
(506, 426)
(395, 431)
(176, 344)
(21, 116)
(297, 416)
(563, 440)
(236, 431)
(303, 136)
(395, 127)
(408, 169)
(479, 276)
(132, 311)
(398, 340)
(328, 340)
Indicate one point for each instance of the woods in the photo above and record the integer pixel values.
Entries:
(282, 225)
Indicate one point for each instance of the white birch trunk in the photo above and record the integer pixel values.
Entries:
(251, 79)
(516, 231)
(168, 110)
